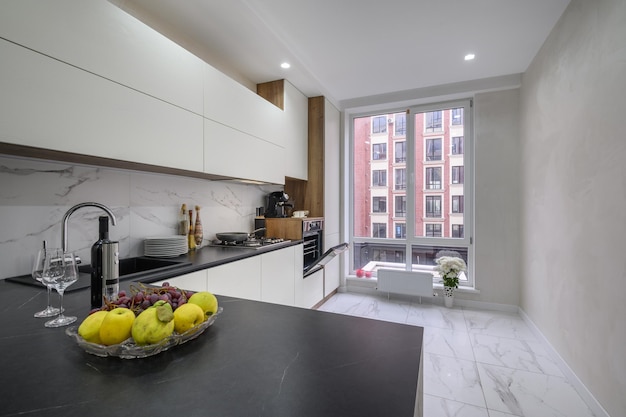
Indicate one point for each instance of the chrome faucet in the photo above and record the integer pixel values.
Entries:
(76, 207)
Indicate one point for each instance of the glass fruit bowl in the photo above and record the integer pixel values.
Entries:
(128, 349)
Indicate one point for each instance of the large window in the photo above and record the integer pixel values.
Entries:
(429, 194)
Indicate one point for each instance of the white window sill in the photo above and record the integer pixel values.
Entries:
(372, 283)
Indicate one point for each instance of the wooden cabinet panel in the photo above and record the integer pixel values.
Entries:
(52, 105)
(240, 279)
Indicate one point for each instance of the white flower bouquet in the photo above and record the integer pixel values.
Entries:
(450, 267)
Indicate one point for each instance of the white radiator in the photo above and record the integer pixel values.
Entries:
(405, 282)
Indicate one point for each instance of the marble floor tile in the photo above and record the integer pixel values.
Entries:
(342, 303)
(497, 323)
(455, 344)
(429, 315)
(493, 413)
(442, 407)
(529, 394)
(378, 308)
(526, 355)
(452, 379)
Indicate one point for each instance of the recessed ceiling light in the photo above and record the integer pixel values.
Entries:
(469, 57)
(285, 65)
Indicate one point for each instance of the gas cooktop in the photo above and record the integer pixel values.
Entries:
(257, 243)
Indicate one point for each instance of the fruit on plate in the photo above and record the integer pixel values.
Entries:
(187, 316)
(89, 328)
(116, 326)
(153, 324)
(206, 301)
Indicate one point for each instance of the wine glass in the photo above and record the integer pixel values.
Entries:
(36, 273)
(60, 271)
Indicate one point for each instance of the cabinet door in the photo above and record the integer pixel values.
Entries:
(100, 38)
(52, 105)
(310, 290)
(194, 281)
(236, 154)
(277, 276)
(241, 279)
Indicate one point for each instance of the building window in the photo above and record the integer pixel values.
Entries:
(457, 116)
(400, 179)
(379, 151)
(433, 149)
(400, 230)
(457, 145)
(379, 124)
(433, 178)
(433, 121)
(400, 152)
(433, 206)
(400, 206)
(457, 204)
(400, 124)
(457, 175)
(433, 229)
(379, 230)
(457, 230)
(379, 178)
(379, 205)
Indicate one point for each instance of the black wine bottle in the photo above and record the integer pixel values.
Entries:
(96, 263)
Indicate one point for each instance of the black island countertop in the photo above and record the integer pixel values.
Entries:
(258, 359)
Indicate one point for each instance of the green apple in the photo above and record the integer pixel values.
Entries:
(206, 301)
(116, 326)
(89, 329)
(187, 316)
(153, 324)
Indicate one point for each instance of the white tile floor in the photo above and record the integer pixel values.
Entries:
(477, 363)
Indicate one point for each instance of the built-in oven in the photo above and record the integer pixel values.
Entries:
(313, 240)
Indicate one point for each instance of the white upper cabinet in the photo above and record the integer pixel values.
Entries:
(48, 104)
(101, 38)
(296, 133)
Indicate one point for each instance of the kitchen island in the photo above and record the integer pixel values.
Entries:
(258, 359)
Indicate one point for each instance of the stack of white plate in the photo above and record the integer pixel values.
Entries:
(165, 246)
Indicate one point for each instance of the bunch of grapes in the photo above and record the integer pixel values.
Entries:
(141, 298)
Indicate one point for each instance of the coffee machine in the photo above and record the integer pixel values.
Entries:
(277, 203)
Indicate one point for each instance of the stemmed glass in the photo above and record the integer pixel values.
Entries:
(60, 271)
(36, 273)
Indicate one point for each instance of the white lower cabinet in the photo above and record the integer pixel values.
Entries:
(194, 281)
(241, 279)
(310, 290)
(277, 276)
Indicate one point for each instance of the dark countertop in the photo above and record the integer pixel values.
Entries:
(203, 258)
(258, 359)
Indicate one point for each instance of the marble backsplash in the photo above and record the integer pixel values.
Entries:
(35, 194)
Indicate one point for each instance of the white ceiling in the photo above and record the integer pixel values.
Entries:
(354, 49)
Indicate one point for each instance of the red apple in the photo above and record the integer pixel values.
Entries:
(368, 274)
(359, 273)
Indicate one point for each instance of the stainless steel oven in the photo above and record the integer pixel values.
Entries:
(312, 237)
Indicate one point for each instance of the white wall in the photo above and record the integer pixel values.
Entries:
(496, 237)
(573, 195)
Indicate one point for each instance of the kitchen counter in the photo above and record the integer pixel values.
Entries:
(203, 258)
(258, 359)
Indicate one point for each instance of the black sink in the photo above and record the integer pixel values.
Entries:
(141, 265)
(130, 269)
